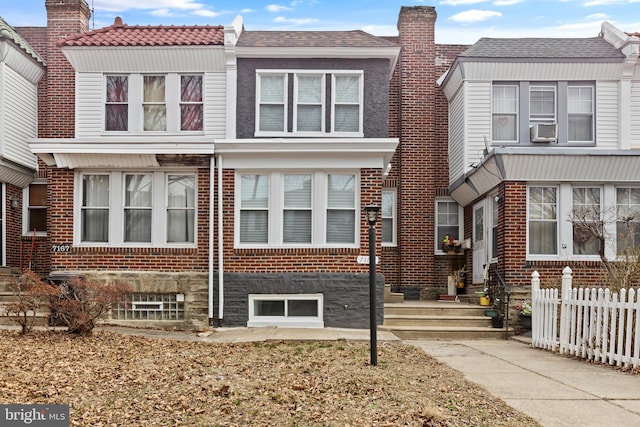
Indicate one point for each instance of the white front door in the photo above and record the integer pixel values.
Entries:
(480, 246)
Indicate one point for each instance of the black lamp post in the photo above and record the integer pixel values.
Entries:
(371, 212)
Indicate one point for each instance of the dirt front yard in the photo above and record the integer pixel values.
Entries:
(110, 379)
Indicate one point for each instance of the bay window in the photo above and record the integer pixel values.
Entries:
(296, 209)
(136, 209)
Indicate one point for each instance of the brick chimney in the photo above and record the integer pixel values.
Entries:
(422, 173)
(64, 18)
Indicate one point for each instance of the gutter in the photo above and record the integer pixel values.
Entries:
(220, 245)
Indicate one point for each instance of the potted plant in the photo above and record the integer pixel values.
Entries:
(524, 312)
(450, 244)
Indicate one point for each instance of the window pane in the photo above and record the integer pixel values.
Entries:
(181, 195)
(37, 219)
(309, 118)
(191, 88)
(117, 89)
(347, 89)
(95, 225)
(542, 221)
(341, 191)
(137, 225)
(154, 89)
(116, 109)
(628, 220)
(137, 205)
(272, 89)
(180, 225)
(191, 117)
(347, 118)
(586, 210)
(255, 191)
(95, 191)
(542, 238)
(504, 127)
(182, 190)
(302, 308)
(309, 89)
(272, 118)
(387, 230)
(580, 128)
(254, 226)
(297, 191)
(117, 117)
(542, 104)
(138, 191)
(297, 226)
(268, 308)
(340, 226)
(388, 199)
(38, 195)
(155, 118)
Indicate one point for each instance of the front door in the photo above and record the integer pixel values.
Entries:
(480, 249)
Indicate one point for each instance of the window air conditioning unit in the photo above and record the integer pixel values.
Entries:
(544, 132)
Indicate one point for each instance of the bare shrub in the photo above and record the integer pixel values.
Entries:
(78, 303)
(31, 294)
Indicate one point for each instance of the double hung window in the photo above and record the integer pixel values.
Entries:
(505, 113)
(543, 220)
(542, 104)
(296, 209)
(137, 209)
(388, 214)
(447, 221)
(580, 113)
(36, 208)
(322, 102)
(137, 103)
(627, 220)
(587, 225)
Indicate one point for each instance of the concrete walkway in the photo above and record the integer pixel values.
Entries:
(553, 389)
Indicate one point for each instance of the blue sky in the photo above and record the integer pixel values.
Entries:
(459, 21)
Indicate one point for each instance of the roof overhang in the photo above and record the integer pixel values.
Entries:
(13, 173)
(538, 165)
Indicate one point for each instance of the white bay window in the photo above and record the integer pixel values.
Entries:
(136, 209)
(296, 209)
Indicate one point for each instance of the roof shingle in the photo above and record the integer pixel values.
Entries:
(120, 34)
(556, 49)
(355, 38)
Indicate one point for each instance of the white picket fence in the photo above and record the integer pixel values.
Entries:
(593, 324)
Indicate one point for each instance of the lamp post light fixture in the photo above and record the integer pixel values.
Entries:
(371, 212)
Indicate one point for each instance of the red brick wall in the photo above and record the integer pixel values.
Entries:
(423, 151)
(300, 260)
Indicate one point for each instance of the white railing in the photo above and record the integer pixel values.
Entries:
(595, 324)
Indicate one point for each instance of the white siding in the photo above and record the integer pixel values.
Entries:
(89, 104)
(607, 115)
(456, 136)
(216, 104)
(20, 105)
(635, 114)
(541, 71)
(478, 126)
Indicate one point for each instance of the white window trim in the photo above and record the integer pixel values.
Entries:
(295, 73)
(25, 209)
(116, 209)
(276, 208)
(438, 244)
(135, 104)
(564, 208)
(517, 113)
(284, 321)
(394, 232)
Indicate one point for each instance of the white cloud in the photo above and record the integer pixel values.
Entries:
(598, 17)
(608, 2)
(474, 15)
(162, 12)
(277, 8)
(292, 21)
(507, 2)
(247, 10)
(122, 5)
(206, 13)
(460, 2)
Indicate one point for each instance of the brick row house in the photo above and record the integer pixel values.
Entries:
(543, 139)
(223, 172)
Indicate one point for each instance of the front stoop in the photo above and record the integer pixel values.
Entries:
(439, 320)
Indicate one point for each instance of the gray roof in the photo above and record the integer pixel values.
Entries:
(593, 49)
(354, 38)
(8, 32)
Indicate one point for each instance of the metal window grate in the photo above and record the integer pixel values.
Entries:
(150, 307)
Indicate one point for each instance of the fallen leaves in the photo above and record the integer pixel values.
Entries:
(112, 379)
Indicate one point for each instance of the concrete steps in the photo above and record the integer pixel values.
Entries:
(420, 320)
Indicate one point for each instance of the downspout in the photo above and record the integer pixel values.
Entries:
(220, 245)
(211, 236)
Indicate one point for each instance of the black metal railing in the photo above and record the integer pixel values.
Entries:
(500, 296)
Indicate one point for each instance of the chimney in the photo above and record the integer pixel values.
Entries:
(64, 18)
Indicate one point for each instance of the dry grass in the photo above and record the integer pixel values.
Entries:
(110, 379)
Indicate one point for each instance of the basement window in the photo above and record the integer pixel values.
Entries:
(290, 310)
(140, 306)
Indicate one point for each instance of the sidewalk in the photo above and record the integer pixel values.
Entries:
(553, 389)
